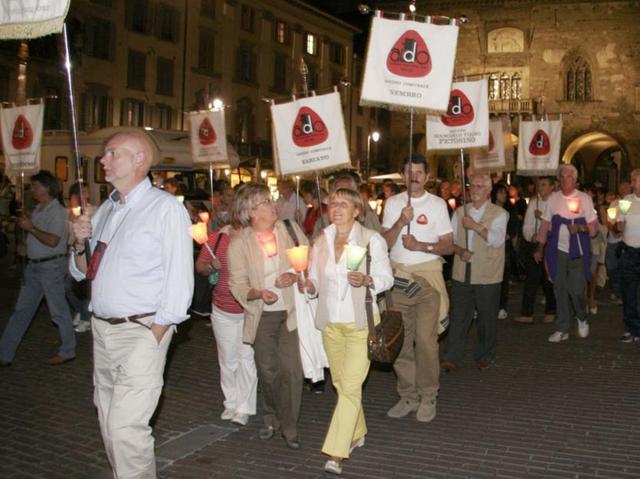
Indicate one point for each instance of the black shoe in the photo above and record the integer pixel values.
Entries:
(266, 433)
(293, 442)
(318, 388)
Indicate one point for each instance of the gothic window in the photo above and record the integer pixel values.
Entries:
(494, 87)
(579, 80)
(516, 86)
(505, 87)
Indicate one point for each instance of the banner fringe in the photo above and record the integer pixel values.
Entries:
(27, 31)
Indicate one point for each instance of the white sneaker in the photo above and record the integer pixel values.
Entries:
(240, 419)
(583, 329)
(333, 467)
(502, 314)
(358, 443)
(83, 327)
(227, 414)
(558, 336)
(76, 320)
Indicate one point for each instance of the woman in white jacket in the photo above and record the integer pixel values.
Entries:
(341, 316)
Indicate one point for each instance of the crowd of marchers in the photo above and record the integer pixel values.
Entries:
(445, 254)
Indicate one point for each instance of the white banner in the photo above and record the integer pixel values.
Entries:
(466, 123)
(499, 155)
(208, 137)
(24, 19)
(539, 147)
(409, 65)
(21, 132)
(309, 134)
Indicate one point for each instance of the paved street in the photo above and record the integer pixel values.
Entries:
(560, 411)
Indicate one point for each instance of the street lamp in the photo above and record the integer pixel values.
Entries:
(375, 136)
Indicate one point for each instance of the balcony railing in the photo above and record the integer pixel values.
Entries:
(511, 106)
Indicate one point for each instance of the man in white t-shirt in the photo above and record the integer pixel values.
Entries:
(629, 224)
(567, 224)
(418, 233)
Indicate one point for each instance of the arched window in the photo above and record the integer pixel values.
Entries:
(579, 80)
(494, 87)
(516, 87)
(505, 87)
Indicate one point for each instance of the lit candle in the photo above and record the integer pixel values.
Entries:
(298, 258)
(574, 205)
(76, 210)
(623, 206)
(267, 240)
(355, 255)
(453, 203)
(526, 200)
(379, 206)
(612, 213)
(204, 216)
(373, 204)
(180, 198)
(512, 201)
(199, 233)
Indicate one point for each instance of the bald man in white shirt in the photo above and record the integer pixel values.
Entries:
(141, 274)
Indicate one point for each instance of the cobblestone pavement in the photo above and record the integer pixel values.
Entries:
(566, 410)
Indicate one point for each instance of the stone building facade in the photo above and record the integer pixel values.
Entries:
(578, 58)
(146, 62)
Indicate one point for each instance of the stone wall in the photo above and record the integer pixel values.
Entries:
(606, 35)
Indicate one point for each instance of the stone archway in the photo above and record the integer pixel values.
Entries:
(598, 157)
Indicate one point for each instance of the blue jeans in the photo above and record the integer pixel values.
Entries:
(41, 279)
(630, 276)
(612, 262)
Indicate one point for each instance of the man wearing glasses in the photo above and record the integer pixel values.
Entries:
(479, 231)
(141, 273)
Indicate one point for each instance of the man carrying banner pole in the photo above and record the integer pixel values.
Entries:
(419, 292)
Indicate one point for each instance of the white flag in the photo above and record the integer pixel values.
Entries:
(539, 147)
(309, 134)
(208, 137)
(499, 154)
(409, 65)
(466, 123)
(21, 128)
(24, 19)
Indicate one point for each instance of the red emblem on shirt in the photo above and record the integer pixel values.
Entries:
(422, 220)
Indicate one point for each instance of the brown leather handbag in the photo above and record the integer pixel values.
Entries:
(385, 340)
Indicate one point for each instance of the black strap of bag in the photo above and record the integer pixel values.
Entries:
(292, 232)
(217, 243)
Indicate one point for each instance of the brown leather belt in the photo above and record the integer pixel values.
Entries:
(134, 318)
(48, 258)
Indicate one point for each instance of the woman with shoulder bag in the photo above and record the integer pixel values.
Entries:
(342, 318)
(262, 281)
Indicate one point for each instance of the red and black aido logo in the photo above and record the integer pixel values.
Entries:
(540, 144)
(491, 142)
(22, 136)
(460, 111)
(206, 133)
(309, 129)
(409, 56)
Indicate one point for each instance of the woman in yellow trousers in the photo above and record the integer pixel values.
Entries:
(341, 315)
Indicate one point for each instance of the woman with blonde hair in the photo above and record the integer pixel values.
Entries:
(261, 282)
(341, 315)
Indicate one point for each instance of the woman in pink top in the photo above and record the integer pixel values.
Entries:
(238, 377)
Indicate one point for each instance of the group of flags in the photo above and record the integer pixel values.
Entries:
(409, 66)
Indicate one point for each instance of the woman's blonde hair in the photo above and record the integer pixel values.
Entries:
(246, 198)
(353, 197)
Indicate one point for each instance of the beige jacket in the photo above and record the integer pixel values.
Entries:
(246, 271)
